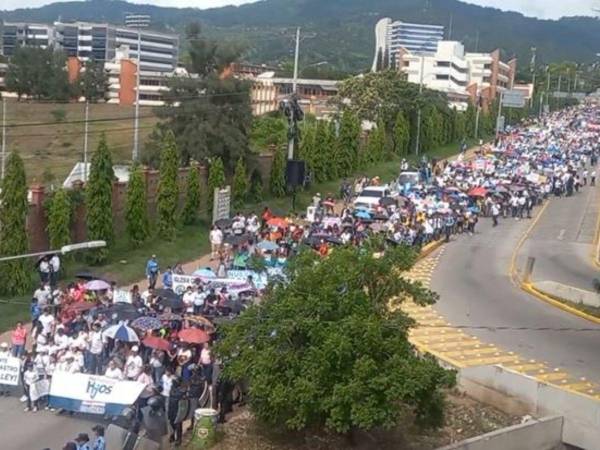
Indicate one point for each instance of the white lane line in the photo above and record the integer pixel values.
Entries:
(561, 235)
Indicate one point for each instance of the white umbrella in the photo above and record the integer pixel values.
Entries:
(122, 332)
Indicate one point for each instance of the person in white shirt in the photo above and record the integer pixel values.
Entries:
(188, 300)
(30, 377)
(166, 382)
(47, 321)
(133, 364)
(42, 294)
(96, 346)
(54, 269)
(113, 371)
(216, 241)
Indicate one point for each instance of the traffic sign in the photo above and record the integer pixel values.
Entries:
(513, 99)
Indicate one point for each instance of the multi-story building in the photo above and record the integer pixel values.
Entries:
(489, 76)
(159, 52)
(391, 36)
(18, 34)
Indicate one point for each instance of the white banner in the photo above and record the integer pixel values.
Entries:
(39, 389)
(9, 370)
(121, 296)
(181, 282)
(92, 394)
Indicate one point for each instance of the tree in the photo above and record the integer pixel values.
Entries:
(59, 216)
(98, 199)
(401, 135)
(347, 144)
(209, 112)
(216, 180)
(189, 214)
(308, 146)
(324, 349)
(14, 277)
(278, 173)
(240, 185)
(168, 189)
(256, 193)
(268, 130)
(93, 81)
(136, 209)
(376, 143)
(321, 152)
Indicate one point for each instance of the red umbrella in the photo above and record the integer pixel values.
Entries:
(277, 222)
(78, 307)
(156, 343)
(193, 336)
(478, 192)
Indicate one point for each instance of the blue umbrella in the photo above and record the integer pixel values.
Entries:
(146, 323)
(363, 215)
(206, 273)
(267, 246)
(122, 332)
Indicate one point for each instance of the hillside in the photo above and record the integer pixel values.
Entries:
(345, 27)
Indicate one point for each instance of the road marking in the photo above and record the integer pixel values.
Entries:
(561, 235)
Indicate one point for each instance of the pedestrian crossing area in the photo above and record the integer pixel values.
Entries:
(433, 334)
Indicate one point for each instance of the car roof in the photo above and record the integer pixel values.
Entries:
(375, 188)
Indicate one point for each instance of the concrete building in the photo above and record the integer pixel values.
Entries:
(18, 34)
(159, 51)
(391, 36)
(489, 75)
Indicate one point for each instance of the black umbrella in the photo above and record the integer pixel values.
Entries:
(233, 239)
(175, 304)
(165, 293)
(121, 311)
(88, 276)
(312, 241)
(224, 223)
(379, 217)
(334, 240)
(387, 201)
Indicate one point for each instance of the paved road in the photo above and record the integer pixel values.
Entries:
(475, 289)
(562, 241)
(42, 429)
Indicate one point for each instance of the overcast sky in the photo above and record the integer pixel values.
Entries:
(548, 9)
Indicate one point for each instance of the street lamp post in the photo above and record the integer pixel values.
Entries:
(63, 250)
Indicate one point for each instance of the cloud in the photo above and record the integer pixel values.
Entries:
(545, 9)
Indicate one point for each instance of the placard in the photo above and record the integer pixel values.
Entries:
(9, 370)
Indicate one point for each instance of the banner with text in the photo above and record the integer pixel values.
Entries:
(9, 370)
(92, 394)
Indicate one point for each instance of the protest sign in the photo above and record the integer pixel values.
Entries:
(9, 370)
(92, 394)
(181, 282)
(39, 389)
(121, 296)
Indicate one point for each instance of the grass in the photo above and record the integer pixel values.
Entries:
(126, 265)
(51, 150)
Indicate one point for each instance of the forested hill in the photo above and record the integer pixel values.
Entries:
(344, 28)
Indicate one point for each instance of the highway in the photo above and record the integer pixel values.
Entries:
(475, 289)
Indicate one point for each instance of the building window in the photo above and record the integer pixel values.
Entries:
(442, 77)
(443, 63)
(487, 66)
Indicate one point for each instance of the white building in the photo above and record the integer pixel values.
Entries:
(391, 36)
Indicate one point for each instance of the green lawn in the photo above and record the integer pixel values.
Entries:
(126, 265)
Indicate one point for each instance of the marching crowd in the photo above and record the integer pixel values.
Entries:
(163, 337)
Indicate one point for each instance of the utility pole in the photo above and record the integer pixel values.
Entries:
(85, 142)
(296, 57)
(3, 137)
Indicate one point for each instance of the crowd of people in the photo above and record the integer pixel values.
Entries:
(163, 337)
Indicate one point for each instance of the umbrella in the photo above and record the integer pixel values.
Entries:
(97, 285)
(329, 204)
(334, 240)
(165, 293)
(387, 201)
(122, 311)
(170, 302)
(80, 306)
(194, 336)
(224, 223)
(87, 276)
(122, 332)
(478, 192)
(312, 241)
(202, 321)
(205, 273)
(157, 343)
(363, 215)
(234, 239)
(146, 323)
(168, 317)
(277, 222)
(267, 246)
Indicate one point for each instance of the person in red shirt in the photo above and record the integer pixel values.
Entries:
(266, 215)
(18, 340)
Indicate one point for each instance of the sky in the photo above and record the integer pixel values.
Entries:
(547, 9)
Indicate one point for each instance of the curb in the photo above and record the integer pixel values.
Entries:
(527, 287)
(430, 248)
(530, 289)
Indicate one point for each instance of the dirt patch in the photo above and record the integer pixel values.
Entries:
(465, 418)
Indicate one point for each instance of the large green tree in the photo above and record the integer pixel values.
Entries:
(347, 144)
(168, 189)
(216, 180)
(98, 200)
(401, 134)
(209, 111)
(14, 275)
(278, 183)
(136, 209)
(240, 185)
(191, 206)
(59, 216)
(324, 349)
(376, 144)
(268, 130)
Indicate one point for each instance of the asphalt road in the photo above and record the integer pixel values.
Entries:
(472, 278)
(562, 241)
(36, 431)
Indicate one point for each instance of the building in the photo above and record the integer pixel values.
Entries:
(314, 95)
(159, 51)
(19, 34)
(489, 76)
(391, 36)
(444, 70)
(3, 69)
(462, 76)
